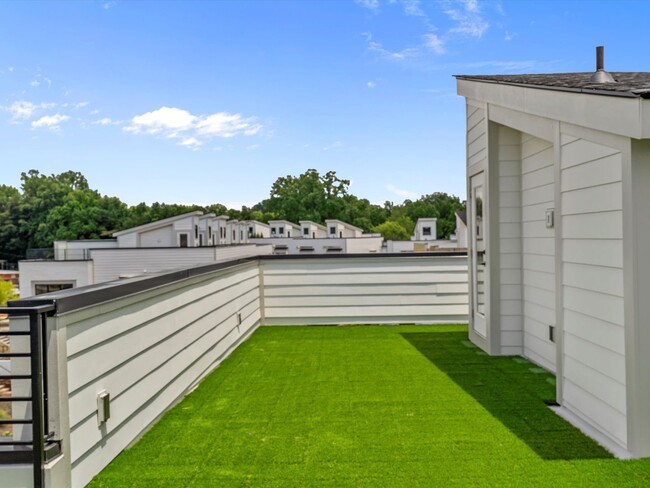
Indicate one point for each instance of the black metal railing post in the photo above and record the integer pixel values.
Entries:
(36, 364)
(38, 398)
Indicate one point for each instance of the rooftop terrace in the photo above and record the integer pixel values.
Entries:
(369, 406)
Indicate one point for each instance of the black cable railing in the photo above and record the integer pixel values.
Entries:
(42, 446)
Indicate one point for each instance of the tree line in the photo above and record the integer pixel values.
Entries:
(64, 207)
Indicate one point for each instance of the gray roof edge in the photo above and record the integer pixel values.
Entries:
(588, 91)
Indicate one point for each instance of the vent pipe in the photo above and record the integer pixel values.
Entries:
(601, 76)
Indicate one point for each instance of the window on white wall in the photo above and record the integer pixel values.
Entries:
(426, 231)
(40, 288)
(183, 240)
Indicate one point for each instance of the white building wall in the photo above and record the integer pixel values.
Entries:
(161, 237)
(77, 273)
(592, 286)
(538, 249)
(508, 164)
(361, 245)
(71, 250)
(366, 290)
(113, 264)
(128, 240)
(147, 350)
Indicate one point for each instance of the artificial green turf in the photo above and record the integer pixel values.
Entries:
(368, 406)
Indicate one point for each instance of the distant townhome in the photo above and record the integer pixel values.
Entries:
(190, 239)
(558, 169)
(283, 228)
(425, 230)
(312, 230)
(179, 231)
(339, 229)
(193, 239)
(258, 229)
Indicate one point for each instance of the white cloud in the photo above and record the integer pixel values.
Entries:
(50, 121)
(412, 7)
(104, 121)
(172, 123)
(10, 69)
(371, 4)
(21, 110)
(34, 83)
(434, 43)
(508, 36)
(94, 112)
(252, 147)
(371, 84)
(80, 105)
(163, 119)
(401, 193)
(223, 124)
(108, 5)
(191, 142)
(467, 15)
(375, 46)
(470, 5)
(334, 145)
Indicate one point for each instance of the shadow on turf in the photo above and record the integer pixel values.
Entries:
(512, 390)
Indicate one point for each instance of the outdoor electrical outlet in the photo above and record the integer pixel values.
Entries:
(103, 407)
(550, 218)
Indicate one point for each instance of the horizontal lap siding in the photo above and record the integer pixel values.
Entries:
(592, 285)
(476, 135)
(147, 350)
(510, 234)
(538, 246)
(382, 290)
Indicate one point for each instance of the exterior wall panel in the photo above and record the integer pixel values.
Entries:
(368, 290)
(147, 350)
(594, 374)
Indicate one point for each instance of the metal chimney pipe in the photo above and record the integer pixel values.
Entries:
(601, 76)
(600, 58)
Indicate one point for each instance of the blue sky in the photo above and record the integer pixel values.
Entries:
(206, 102)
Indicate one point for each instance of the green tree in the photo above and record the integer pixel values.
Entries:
(13, 242)
(84, 214)
(392, 231)
(7, 292)
(309, 196)
(439, 205)
(41, 194)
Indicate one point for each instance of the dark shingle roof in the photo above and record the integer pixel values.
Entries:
(628, 84)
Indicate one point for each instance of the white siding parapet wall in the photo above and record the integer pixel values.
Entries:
(366, 290)
(148, 341)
